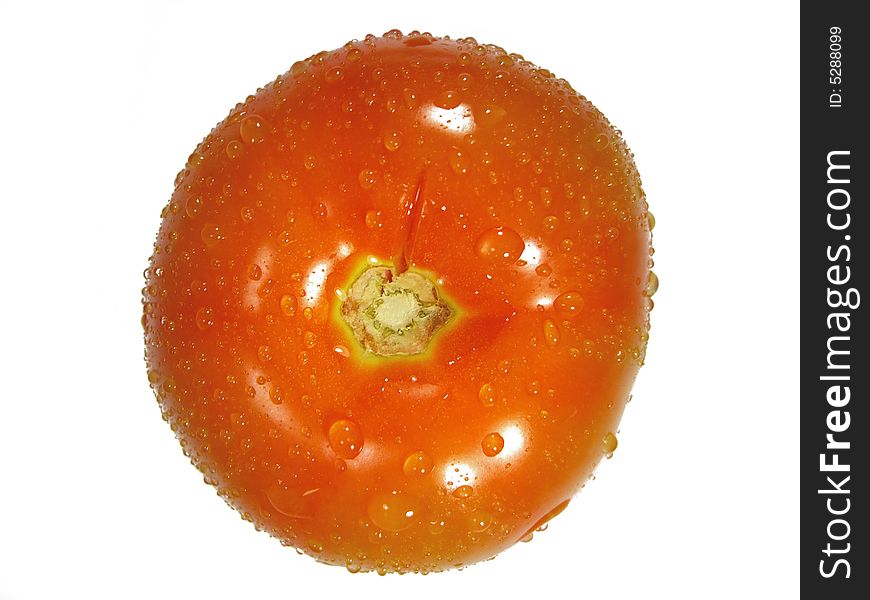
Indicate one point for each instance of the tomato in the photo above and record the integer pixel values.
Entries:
(398, 301)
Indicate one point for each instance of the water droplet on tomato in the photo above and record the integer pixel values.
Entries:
(247, 214)
(492, 444)
(309, 339)
(298, 68)
(500, 243)
(458, 161)
(551, 332)
(391, 141)
(568, 304)
(463, 492)
(276, 395)
(479, 520)
(490, 115)
(437, 526)
(373, 219)
(651, 220)
(447, 99)
(410, 98)
(289, 305)
(652, 284)
(464, 80)
(309, 162)
(609, 443)
(486, 394)
(193, 206)
(418, 464)
(550, 223)
(392, 511)
(367, 178)
(345, 438)
(543, 270)
(235, 149)
(333, 75)
(204, 317)
(211, 234)
(264, 353)
(252, 129)
(255, 272)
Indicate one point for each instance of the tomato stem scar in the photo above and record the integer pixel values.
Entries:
(392, 313)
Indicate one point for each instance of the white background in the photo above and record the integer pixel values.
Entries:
(101, 105)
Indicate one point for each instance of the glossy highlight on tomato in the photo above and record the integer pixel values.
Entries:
(398, 300)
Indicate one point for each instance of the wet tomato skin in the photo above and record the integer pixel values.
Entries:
(533, 227)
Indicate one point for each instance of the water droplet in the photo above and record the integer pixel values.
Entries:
(352, 567)
(309, 162)
(289, 305)
(265, 353)
(247, 214)
(464, 80)
(367, 178)
(463, 492)
(309, 339)
(566, 245)
(543, 270)
(651, 220)
(601, 141)
(193, 206)
(490, 115)
(492, 444)
(486, 394)
(204, 317)
(500, 243)
(568, 304)
(255, 272)
(276, 395)
(437, 526)
(373, 219)
(298, 68)
(418, 464)
(447, 100)
(609, 443)
(551, 332)
(354, 54)
(319, 210)
(345, 438)
(392, 511)
(458, 161)
(333, 75)
(479, 520)
(391, 141)
(550, 223)
(252, 129)
(652, 285)
(342, 351)
(410, 98)
(211, 234)
(464, 59)
(234, 149)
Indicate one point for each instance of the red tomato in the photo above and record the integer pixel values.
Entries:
(398, 300)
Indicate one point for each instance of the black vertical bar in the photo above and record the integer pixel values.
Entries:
(835, 363)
